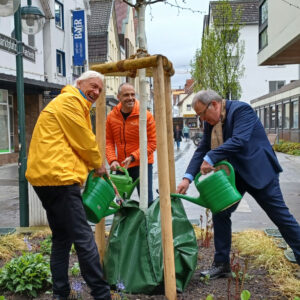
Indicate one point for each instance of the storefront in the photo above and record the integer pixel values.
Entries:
(36, 95)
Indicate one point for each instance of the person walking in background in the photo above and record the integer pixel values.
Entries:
(63, 149)
(233, 131)
(178, 136)
(186, 132)
(122, 136)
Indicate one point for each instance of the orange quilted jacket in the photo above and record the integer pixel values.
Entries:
(123, 136)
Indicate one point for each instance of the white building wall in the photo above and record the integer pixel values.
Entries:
(56, 38)
(255, 81)
(283, 27)
(114, 55)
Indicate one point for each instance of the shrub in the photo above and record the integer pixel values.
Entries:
(26, 274)
(287, 147)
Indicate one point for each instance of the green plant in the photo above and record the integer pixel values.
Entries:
(210, 297)
(205, 279)
(46, 245)
(26, 274)
(75, 270)
(2, 298)
(206, 234)
(245, 295)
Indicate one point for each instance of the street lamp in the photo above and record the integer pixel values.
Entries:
(32, 25)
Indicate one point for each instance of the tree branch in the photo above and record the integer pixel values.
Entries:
(154, 1)
(128, 3)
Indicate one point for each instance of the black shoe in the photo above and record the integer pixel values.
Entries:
(217, 270)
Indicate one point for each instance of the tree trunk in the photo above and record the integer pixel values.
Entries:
(143, 112)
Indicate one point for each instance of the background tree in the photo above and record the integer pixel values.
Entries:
(218, 64)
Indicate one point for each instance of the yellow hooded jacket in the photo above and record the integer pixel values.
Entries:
(63, 147)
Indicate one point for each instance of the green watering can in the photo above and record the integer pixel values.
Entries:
(217, 192)
(98, 197)
(124, 183)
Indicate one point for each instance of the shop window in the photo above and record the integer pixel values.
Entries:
(267, 117)
(295, 110)
(60, 63)
(272, 115)
(262, 116)
(286, 116)
(6, 123)
(31, 40)
(59, 15)
(279, 115)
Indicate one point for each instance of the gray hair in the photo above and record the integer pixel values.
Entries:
(122, 84)
(87, 75)
(206, 97)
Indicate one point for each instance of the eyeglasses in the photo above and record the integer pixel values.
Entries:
(202, 114)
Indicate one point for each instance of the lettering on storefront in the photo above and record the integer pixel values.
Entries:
(10, 45)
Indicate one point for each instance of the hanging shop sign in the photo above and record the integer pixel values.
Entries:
(79, 37)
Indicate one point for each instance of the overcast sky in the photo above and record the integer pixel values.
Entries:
(176, 34)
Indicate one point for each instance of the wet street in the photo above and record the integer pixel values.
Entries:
(248, 214)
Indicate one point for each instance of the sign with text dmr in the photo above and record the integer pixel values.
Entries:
(79, 37)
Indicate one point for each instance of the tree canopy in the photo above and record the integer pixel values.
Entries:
(218, 64)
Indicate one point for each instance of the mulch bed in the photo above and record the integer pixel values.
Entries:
(257, 282)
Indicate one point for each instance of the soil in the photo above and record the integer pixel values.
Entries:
(257, 282)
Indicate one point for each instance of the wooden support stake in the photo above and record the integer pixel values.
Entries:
(100, 138)
(170, 133)
(164, 183)
(133, 64)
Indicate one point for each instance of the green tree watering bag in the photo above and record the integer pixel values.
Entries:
(134, 256)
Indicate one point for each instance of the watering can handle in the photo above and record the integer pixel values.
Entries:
(124, 170)
(231, 176)
(92, 177)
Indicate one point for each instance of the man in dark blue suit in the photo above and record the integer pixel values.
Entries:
(233, 132)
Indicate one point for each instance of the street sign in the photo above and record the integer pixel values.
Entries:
(10, 45)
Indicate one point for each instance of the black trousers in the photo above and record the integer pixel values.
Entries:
(271, 201)
(67, 220)
(134, 173)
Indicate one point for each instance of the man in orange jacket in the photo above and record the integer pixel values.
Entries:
(122, 132)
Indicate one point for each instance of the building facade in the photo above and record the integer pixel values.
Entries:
(279, 111)
(279, 44)
(257, 80)
(47, 66)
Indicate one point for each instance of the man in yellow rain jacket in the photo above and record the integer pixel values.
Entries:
(62, 151)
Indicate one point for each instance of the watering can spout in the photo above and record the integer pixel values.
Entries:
(198, 201)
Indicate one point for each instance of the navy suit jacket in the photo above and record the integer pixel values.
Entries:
(245, 146)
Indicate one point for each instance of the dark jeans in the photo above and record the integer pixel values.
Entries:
(271, 201)
(134, 173)
(67, 220)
